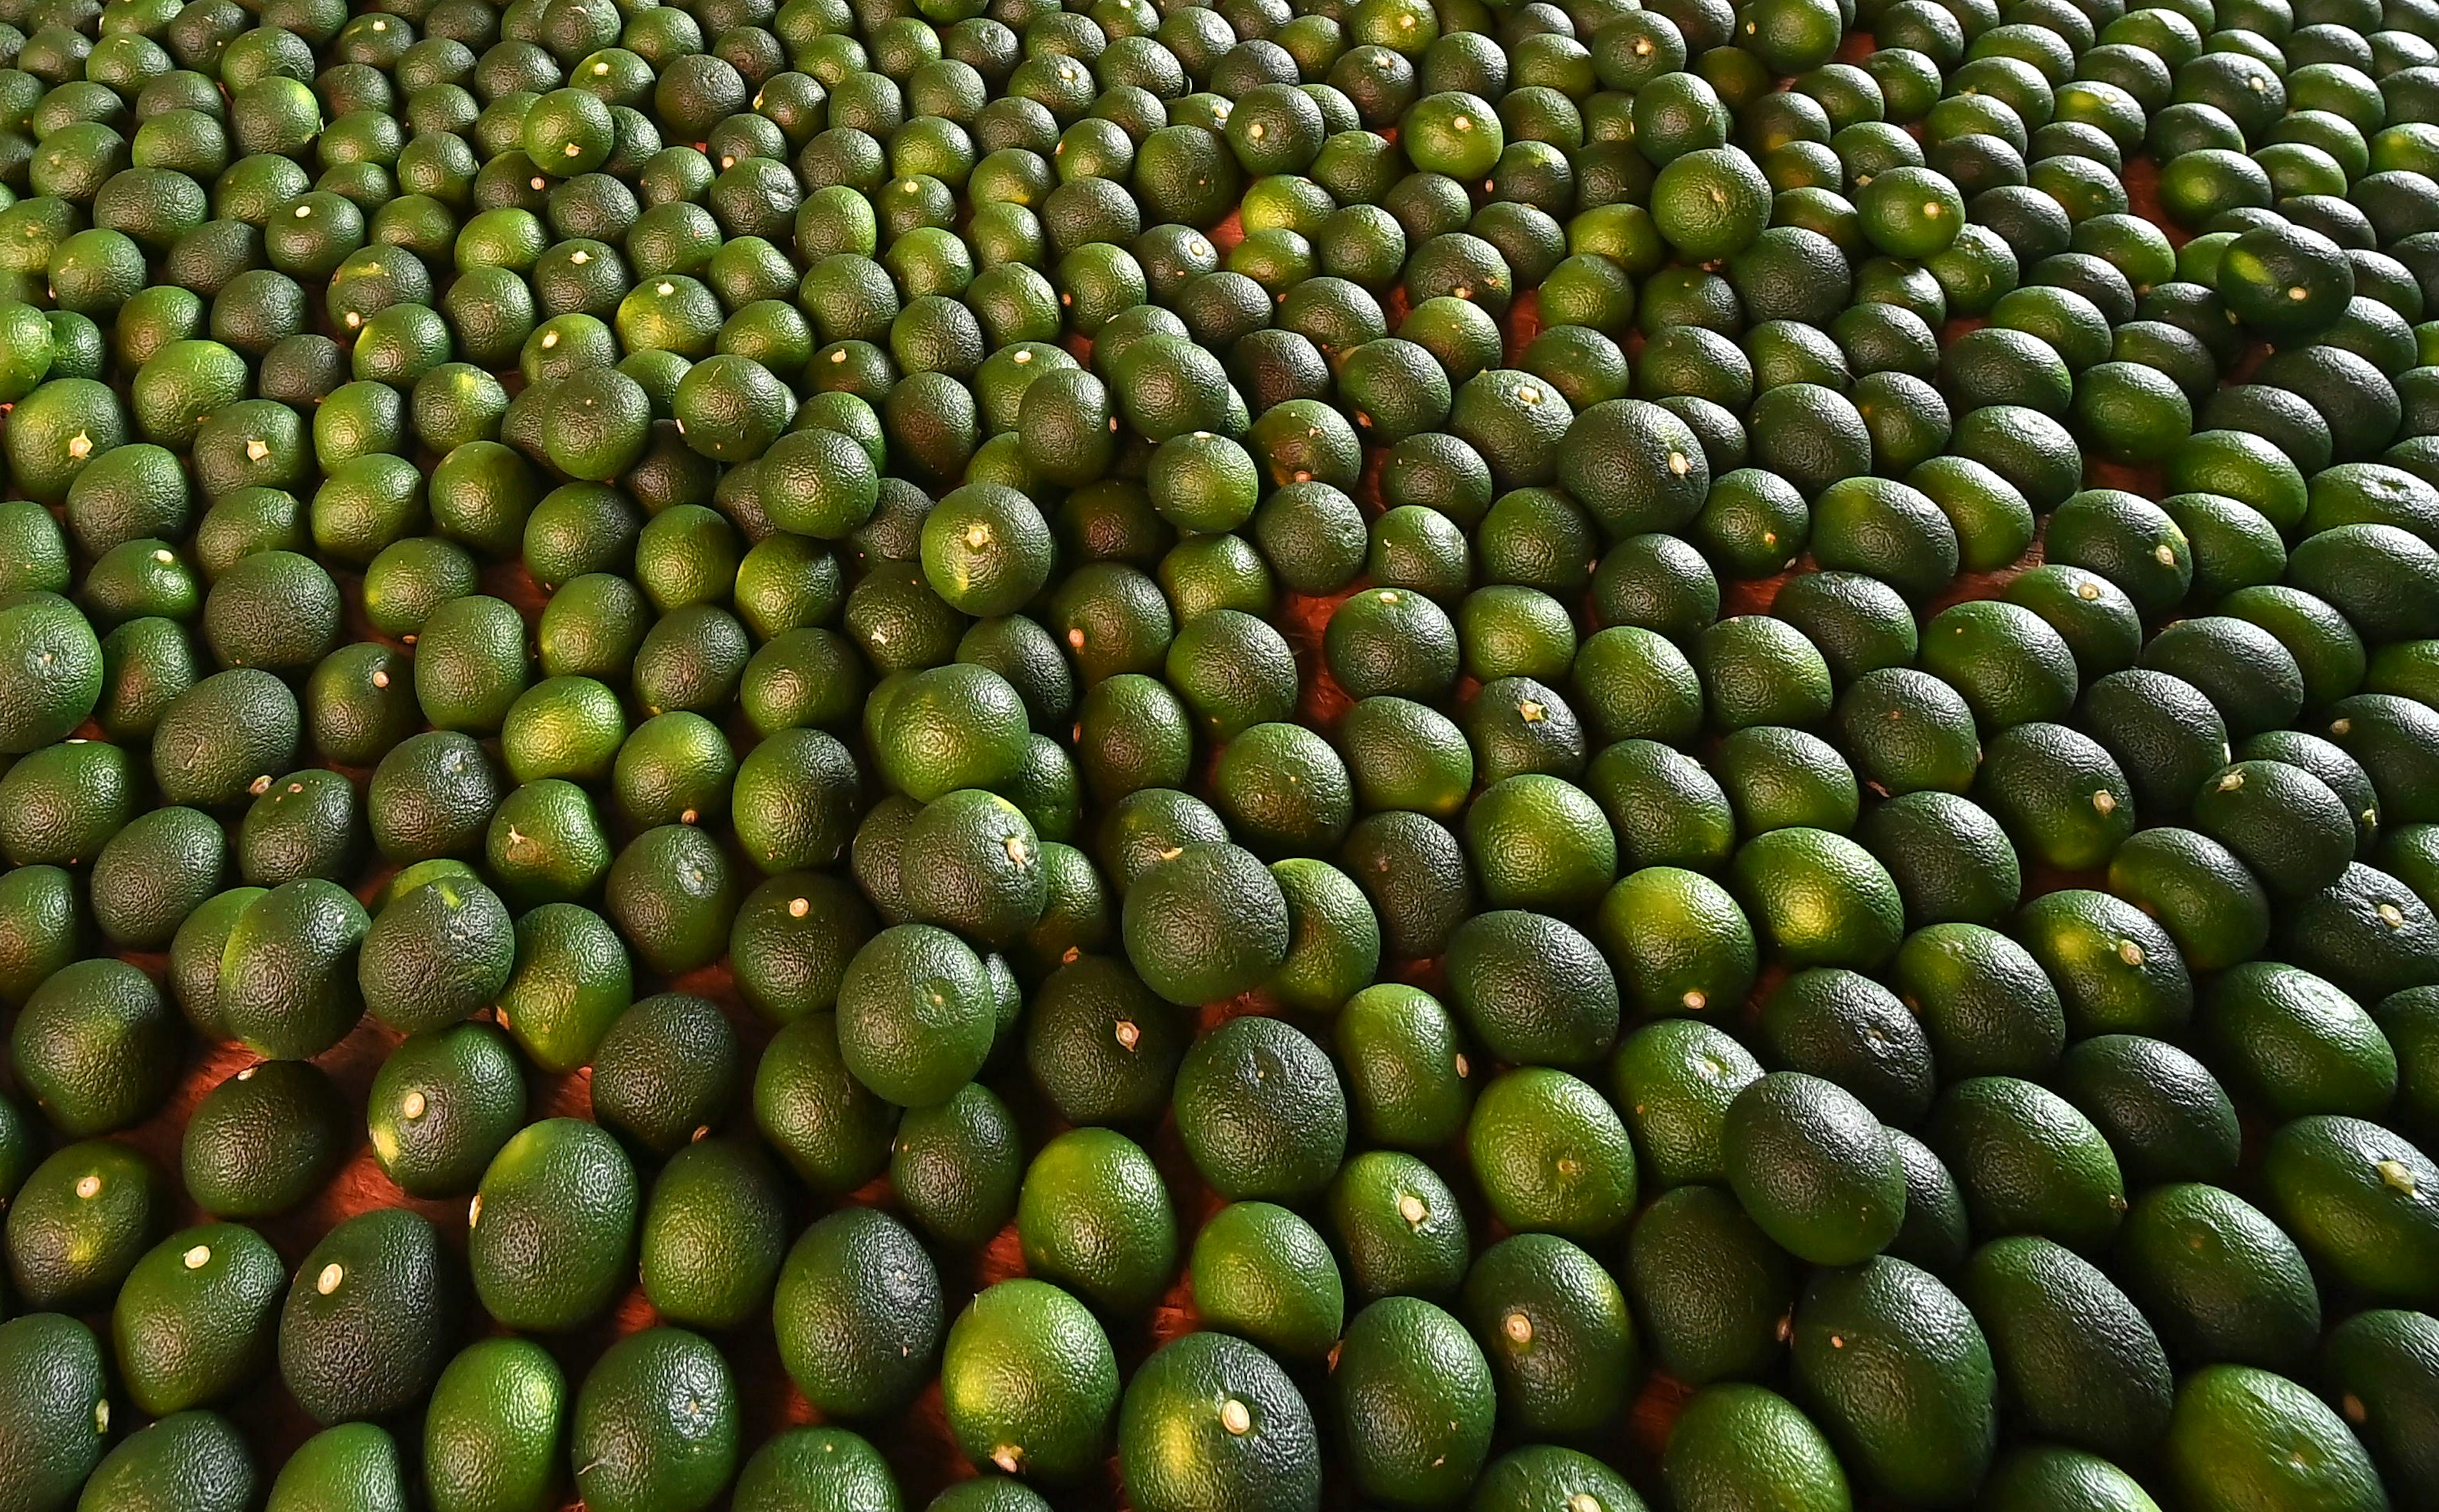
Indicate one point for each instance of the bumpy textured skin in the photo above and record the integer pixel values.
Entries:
(372, 1344)
(1569, 1376)
(2381, 1371)
(474, 1093)
(2396, 739)
(1887, 530)
(1532, 988)
(287, 973)
(2165, 734)
(1133, 733)
(1214, 906)
(2058, 791)
(672, 894)
(34, 636)
(2077, 1357)
(263, 1140)
(1077, 1054)
(1710, 1287)
(2363, 1201)
(1860, 624)
(493, 1429)
(1548, 1475)
(858, 1313)
(1815, 1169)
(1416, 874)
(1740, 1447)
(2296, 1044)
(1260, 1110)
(957, 1166)
(470, 663)
(1760, 670)
(655, 1425)
(68, 1252)
(306, 826)
(2036, 676)
(2344, 931)
(53, 1421)
(1987, 1005)
(915, 1014)
(829, 1467)
(712, 1233)
(1672, 1081)
(794, 800)
(65, 802)
(1630, 497)
(222, 735)
(1177, 1451)
(1552, 1155)
(2093, 618)
(2161, 1109)
(38, 927)
(1903, 727)
(354, 1466)
(2051, 1478)
(2218, 1279)
(439, 954)
(2212, 904)
(1843, 1025)
(96, 1046)
(668, 1067)
(2284, 823)
(1820, 898)
(830, 1129)
(1284, 790)
(1262, 1273)
(2027, 1161)
(551, 1243)
(2243, 1437)
(1415, 1403)
(1948, 856)
(1388, 1249)
(2115, 969)
(1810, 435)
(1899, 1372)
(1935, 1233)
(355, 720)
(979, 868)
(1094, 1216)
(185, 1334)
(432, 796)
(789, 965)
(1029, 1383)
(188, 1462)
(572, 980)
(925, 748)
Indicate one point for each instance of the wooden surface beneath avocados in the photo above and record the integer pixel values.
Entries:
(918, 1445)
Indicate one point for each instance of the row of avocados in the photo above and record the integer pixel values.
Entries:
(1002, 527)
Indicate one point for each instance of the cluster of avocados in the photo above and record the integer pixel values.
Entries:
(1574, 757)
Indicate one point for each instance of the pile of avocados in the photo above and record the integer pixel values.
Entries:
(973, 756)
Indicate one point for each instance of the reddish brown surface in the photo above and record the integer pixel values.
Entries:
(918, 1445)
